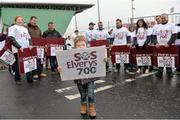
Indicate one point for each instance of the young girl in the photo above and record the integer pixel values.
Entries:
(85, 86)
(142, 39)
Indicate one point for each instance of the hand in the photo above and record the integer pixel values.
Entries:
(21, 49)
(157, 46)
(105, 60)
(59, 69)
(166, 45)
(30, 47)
(129, 45)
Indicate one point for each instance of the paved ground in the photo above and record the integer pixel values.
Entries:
(117, 96)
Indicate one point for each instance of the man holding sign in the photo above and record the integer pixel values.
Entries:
(165, 35)
(83, 65)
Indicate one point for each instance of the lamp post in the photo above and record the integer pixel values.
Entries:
(98, 7)
(132, 11)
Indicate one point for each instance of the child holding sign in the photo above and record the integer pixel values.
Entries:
(85, 86)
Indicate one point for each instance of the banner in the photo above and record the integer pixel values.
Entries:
(82, 63)
(54, 44)
(166, 57)
(97, 43)
(120, 54)
(27, 60)
(142, 56)
(40, 44)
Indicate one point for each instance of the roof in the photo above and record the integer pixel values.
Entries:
(76, 5)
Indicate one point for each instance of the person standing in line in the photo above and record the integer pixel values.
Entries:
(35, 32)
(52, 32)
(165, 35)
(20, 39)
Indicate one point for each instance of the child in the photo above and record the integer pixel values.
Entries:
(85, 86)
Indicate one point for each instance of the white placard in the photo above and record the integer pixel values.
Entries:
(30, 65)
(55, 48)
(166, 61)
(122, 58)
(144, 61)
(8, 57)
(82, 63)
(2, 44)
(40, 52)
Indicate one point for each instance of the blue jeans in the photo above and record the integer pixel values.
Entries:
(86, 91)
(53, 63)
(17, 74)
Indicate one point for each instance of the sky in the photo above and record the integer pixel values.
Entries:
(110, 10)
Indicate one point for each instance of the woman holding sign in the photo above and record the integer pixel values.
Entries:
(142, 39)
(20, 39)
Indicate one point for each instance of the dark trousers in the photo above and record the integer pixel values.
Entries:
(168, 70)
(17, 74)
(53, 63)
(39, 69)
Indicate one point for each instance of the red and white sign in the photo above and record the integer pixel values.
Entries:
(39, 43)
(166, 57)
(120, 54)
(142, 56)
(97, 43)
(27, 60)
(54, 44)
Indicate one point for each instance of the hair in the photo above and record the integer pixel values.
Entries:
(131, 26)
(33, 17)
(15, 19)
(79, 38)
(145, 26)
(50, 23)
(119, 20)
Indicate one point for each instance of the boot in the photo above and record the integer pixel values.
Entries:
(83, 109)
(92, 111)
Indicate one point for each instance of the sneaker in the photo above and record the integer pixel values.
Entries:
(170, 74)
(35, 76)
(127, 71)
(146, 71)
(138, 71)
(42, 75)
(159, 74)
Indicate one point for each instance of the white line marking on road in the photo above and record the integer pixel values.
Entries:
(72, 87)
(75, 96)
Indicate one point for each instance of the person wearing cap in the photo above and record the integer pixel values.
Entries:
(90, 33)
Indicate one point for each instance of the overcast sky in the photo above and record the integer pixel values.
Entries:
(112, 9)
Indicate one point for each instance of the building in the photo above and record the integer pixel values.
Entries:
(58, 11)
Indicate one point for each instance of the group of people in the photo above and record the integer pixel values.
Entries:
(141, 34)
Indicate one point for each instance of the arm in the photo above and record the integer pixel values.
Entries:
(14, 42)
(154, 39)
(172, 39)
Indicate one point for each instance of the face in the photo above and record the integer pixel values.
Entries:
(100, 25)
(118, 23)
(158, 19)
(164, 18)
(34, 22)
(131, 29)
(140, 23)
(19, 21)
(91, 26)
(51, 26)
(81, 44)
